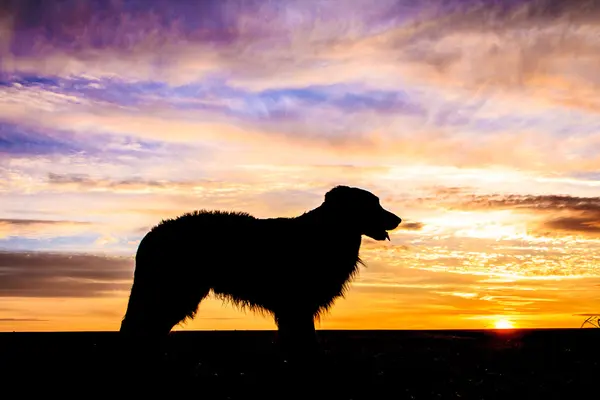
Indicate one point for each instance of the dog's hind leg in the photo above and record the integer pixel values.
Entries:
(149, 318)
(153, 313)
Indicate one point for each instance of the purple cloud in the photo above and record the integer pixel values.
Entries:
(18, 140)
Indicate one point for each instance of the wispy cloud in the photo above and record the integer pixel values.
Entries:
(35, 228)
(12, 320)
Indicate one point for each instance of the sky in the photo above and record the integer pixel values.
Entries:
(477, 122)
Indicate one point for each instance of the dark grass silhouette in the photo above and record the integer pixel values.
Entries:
(291, 268)
(436, 364)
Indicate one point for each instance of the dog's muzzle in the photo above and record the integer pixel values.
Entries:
(389, 222)
(392, 222)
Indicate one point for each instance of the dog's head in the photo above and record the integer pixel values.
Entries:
(360, 210)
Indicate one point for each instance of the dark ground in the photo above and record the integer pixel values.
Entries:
(533, 364)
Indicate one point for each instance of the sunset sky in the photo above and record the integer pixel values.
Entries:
(477, 122)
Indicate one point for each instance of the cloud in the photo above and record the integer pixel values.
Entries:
(365, 136)
(589, 225)
(383, 126)
(83, 182)
(11, 320)
(25, 222)
(39, 274)
(561, 214)
(31, 228)
(537, 202)
(482, 46)
(411, 226)
(257, 183)
(159, 39)
(15, 140)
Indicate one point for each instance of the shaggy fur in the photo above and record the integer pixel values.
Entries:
(292, 268)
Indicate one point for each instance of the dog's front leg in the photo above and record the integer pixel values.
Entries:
(296, 334)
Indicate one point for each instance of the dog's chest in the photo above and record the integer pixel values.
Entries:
(340, 254)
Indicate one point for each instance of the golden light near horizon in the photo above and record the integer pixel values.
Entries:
(504, 324)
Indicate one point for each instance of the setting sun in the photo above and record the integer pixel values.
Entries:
(504, 324)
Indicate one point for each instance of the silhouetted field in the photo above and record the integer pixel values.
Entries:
(535, 364)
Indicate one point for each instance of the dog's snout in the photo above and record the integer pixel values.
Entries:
(392, 220)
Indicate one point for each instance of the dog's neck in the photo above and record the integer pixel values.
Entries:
(328, 223)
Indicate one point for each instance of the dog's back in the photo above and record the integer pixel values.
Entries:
(221, 249)
(211, 240)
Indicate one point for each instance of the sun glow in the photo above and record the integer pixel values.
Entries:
(504, 324)
(484, 225)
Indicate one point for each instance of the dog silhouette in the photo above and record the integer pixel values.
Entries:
(291, 268)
